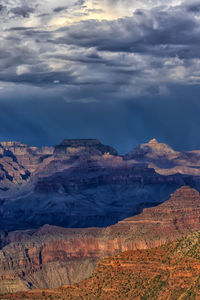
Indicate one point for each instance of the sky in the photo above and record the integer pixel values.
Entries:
(123, 71)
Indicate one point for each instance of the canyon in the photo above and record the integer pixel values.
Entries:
(64, 208)
(83, 183)
(52, 256)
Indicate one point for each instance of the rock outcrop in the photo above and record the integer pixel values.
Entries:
(52, 256)
(83, 147)
(151, 149)
(165, 160)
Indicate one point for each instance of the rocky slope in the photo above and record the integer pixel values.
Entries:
(53, 256)
(171, 271)
(83, 183)
(165, 160)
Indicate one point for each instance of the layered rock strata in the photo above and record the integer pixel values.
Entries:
(53, 256)
(83, 183)
(167, 272)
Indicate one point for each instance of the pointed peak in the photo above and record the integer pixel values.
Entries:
(152, 149)
(155, 146)
(153, 141)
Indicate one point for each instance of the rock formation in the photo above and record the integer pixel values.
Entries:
(52, 256)
(80, 184)
(83, 183)
(165, 160)
(170, 271)
(83, 147)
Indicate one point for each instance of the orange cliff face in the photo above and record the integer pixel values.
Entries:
(170, 271)
(54, 256)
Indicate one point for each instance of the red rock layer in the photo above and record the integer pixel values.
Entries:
(168, 272)
(53, 256)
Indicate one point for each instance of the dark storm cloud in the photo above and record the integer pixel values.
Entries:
(20, 28)
(16, 55)
(123, 124)
(29, 33)
(22, 11)
(80, 2)
(94, 58)
(1, 8)
(60, 8)
(158, 32)
(39, 78)
(193, 7)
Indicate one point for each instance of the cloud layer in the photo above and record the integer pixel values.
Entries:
(126, 57)
(92, 52)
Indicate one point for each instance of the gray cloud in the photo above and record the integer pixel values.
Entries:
(60, 8)
(123, 81)
(38, 78)
(158, 32)
(193, 7)
(80, 3)
(131, 55)
(22, 11)
(1, 7)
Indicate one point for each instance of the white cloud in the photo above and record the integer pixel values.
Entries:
(22, 69)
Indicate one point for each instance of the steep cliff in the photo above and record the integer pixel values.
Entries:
(52, 256)
(168, 272)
